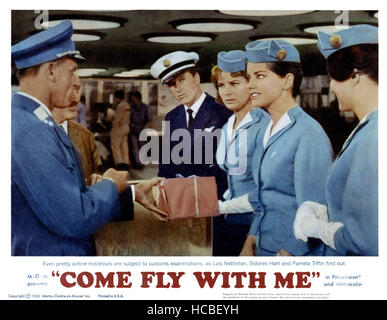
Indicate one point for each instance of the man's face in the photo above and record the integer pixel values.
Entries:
(186, 88)
(71, 112)
(65, 79)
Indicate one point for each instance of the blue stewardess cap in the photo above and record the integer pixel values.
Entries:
(271, 51)
(358, 34)
(48, 45)
(232, 61)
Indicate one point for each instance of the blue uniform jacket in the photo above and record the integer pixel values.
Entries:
(53, 212)
(293, 169)
(235, 157)
(352, 192)
(210, 117)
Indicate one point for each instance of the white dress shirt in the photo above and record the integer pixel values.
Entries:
(195, 107)
(65, 126)
(36, 100)
(282, 123)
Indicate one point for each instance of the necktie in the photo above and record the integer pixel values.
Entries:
(190, 118)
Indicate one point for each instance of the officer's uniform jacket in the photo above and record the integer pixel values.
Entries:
(53, 212)
(210, 116)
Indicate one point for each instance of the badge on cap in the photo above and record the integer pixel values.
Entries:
(166, 63)
(335, 41)
(351, 36)
(271, 51)
(281, 54)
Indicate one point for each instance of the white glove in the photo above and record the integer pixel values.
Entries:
(235, 205)
(306, 222)
(311, 221)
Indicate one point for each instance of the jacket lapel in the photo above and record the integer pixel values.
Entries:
(354, 132)
(203, 116)
(180, 122)
(202, 119)
(293, 114)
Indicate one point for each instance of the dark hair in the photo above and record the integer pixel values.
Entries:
(191, 70)
(20, 73)
(136, 94)
(120, 94)
(285, 67)
(362, 58)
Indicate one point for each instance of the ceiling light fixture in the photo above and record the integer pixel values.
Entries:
(133, 73)
(88, 72)
(86, 22)
(264, 13)
(324, 28)
(180, 38)
(78, 37)
(213, 25)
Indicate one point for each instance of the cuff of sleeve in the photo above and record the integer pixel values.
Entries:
(108, 178)
(254, 227)
(133, 192)
(327, 232)
(127, 205)
(236, 205)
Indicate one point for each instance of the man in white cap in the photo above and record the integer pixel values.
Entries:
(53, 211)
(198, 112)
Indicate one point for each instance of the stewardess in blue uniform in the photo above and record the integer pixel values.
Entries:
(240, 138)
(297, 152)
(349, 222)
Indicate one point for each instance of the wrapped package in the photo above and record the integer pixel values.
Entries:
(193, 197)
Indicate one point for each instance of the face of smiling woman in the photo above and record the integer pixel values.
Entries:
(233, 91)
(264, 86)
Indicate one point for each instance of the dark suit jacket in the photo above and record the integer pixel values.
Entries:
(211, 116)
(83, 140)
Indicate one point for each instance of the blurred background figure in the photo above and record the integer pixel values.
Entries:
(139, 117)
(120, 131)
(81, 117)
(101, 124)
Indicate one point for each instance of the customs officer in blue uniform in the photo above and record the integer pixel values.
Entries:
(348, 224)
(297, 152)
(53, 211)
